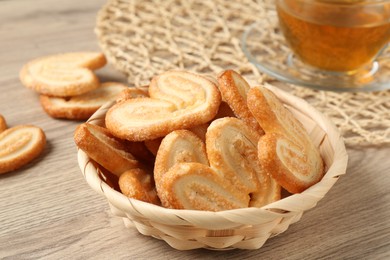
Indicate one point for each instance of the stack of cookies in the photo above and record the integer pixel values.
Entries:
(190, 142)
(69, 89)
(67, 84)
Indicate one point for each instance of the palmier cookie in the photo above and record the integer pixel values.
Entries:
(276, 119)
(234, 89)
(138, 184)
(199, 131)
(3, 124)
(178, 146)
(83, 106)
(63, 75)
(19, 145)
(232, 151)
(196, 186)
(294, 168)
(195, 101)
(108, 151)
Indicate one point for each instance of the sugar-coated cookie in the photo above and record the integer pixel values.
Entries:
(198, 187)
(178, 100)
(232, 151)
(19, 145)
(285, 133)
(178, 146)
(234, 89)
(81, 107)
(105, 149)
(63, 75)
(294, 167)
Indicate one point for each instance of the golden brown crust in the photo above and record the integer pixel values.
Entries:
(3, 124)
(108, 151)
(138, 184)
(293, 167)
(178, 146)
(153, 145)
(234, 90)
(280, 127)
(81, 107)
(196, 186)
(63, 75)
(195, 101)
(224, 111)
(232, 151)
(19, 145)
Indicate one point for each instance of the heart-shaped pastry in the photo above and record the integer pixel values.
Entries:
(177, 147)
(178, 100)
(294, 145)
(232, 149)
(197, 186)
(19, 145)
(63, 75)
(293, 166)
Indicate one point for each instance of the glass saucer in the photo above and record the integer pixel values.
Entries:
(264, 46)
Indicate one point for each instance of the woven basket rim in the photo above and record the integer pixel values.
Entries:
(278, 208)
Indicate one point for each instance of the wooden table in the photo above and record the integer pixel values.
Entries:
(48, 211)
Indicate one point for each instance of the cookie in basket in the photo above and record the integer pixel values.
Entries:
(138, 184)
(232, 150)
(19, 145)
(196, 186)
(178, 100)
(104, 148)
(285, 143)
(178, 146)
(234, 89)
(82, 106)
(63, 75)
(234, 171)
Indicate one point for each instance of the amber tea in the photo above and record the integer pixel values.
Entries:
(338, 36)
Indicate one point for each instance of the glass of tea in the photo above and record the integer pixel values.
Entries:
(335, 35)
(332, 44)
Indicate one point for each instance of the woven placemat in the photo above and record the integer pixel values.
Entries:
(144, 38)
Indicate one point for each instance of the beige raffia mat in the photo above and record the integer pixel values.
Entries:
(144, 38)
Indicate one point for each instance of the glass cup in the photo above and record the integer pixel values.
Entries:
(343, 36)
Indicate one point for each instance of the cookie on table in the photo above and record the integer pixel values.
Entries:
(63, 75)
(19, 145)
(82, 106)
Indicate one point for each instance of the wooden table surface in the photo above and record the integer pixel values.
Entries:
(47, 210)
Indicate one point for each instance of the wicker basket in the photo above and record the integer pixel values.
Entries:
(247, 228)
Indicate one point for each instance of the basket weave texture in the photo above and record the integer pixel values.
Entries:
(144, 38)
(247, 228)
